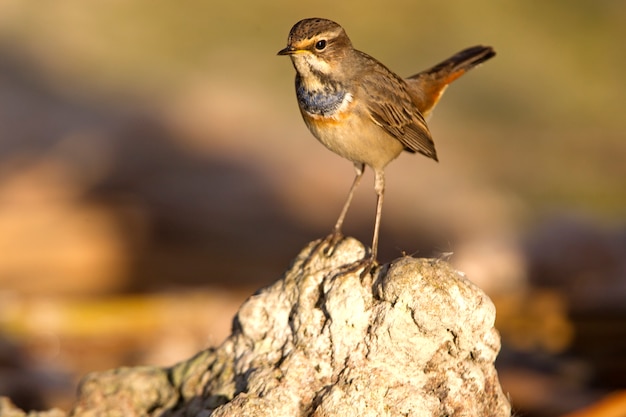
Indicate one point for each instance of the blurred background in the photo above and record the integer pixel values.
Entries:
(155, 171)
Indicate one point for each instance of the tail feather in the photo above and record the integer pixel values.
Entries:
(427, 86)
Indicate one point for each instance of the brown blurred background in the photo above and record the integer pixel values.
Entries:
(154, 171)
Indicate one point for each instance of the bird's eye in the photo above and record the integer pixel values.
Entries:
(320, 45)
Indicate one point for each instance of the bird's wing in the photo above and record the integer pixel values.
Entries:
(390, 106)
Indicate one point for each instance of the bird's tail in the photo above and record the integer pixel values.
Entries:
(428, 86)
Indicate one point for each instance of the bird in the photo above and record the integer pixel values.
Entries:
(361, 110)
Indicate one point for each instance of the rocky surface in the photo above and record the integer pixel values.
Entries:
(415, 338)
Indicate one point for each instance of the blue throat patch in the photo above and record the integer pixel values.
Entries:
(321, 102)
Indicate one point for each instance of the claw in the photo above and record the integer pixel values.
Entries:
(331, 241)
(326, 246)
(368, 264)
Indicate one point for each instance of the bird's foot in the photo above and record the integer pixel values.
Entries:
(367, 265)
(326, 246)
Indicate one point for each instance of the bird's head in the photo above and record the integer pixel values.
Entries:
(317, 45)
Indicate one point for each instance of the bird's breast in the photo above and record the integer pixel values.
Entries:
(326, 100)
(350, 133)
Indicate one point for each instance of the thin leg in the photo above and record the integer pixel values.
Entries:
(369, 263)
(360, 168)
(379, 187)
(328, 244)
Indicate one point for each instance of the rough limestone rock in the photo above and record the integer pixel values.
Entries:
(414, 339)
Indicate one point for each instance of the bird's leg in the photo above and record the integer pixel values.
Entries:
(368, 264)
(335, 237)
(359, 168)
(329, 243)
(379, 187)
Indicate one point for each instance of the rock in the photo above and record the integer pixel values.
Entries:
(125, 392)
(8, 409)
(414, 339)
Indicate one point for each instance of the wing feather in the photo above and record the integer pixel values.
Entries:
(390, 107)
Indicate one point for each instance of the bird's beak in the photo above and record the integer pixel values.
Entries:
(290, 50)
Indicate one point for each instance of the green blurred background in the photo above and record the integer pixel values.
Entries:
(154, 170)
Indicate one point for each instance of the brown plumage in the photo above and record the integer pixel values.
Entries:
(360, 109)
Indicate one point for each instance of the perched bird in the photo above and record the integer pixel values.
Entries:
(360, 109)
